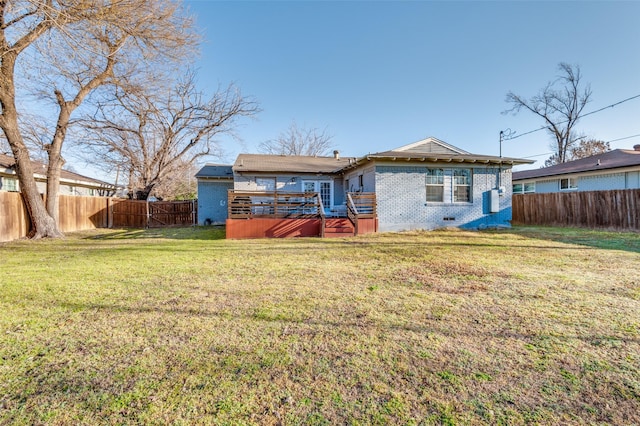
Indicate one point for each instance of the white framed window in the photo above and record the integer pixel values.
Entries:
(568, 184)
(9, 184)
(462, 185)
(435, 185)
(524, 188)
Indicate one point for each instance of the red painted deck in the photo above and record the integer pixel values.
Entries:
(289, 228)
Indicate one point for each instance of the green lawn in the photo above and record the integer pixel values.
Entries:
(530, 325)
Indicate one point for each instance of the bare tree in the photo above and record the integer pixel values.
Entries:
(560, 104)
(152, 135)
(589, 147)
(585, 148)
(68, 51)
(181, 185)
(299, 141)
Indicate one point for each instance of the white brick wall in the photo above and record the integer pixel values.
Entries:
(402, 205)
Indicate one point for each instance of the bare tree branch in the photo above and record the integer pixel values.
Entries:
(559, 107)
(154, 135)
(299, 141)
(75, 48)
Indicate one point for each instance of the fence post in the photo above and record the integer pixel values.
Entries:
(109, 213)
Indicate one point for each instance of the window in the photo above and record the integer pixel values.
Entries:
(435, 185)
(360, 181)
(266, 184)
(524, 188)
(8, 184)
(568, 184)
(462, 185)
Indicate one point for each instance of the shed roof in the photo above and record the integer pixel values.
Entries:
(215, 171)
(616, 159)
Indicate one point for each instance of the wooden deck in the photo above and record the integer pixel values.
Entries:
(288, 215)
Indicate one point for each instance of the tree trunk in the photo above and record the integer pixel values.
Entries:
(55, 159)
(42, 224)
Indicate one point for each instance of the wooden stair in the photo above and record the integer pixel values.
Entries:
(341, 227)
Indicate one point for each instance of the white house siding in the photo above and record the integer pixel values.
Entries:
(284, 183)
(544, 186)
(368, 174)
(602, 182)
(369, 179)
(402, 205)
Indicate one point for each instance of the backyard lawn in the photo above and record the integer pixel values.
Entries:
(180, 326)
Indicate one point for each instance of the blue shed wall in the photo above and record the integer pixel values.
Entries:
(212, 200)
(402, 205)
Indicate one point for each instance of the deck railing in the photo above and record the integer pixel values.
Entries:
(294, 205)
(361, 205)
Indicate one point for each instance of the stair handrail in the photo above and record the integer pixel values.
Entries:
(352, 213)
(323, 218)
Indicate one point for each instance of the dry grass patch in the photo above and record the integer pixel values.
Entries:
(531, 325)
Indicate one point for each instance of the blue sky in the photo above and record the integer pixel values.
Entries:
(380, 75)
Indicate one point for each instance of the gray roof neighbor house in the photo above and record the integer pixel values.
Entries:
(617, 169)
(71, 183)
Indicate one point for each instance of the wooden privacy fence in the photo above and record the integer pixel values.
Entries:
(616, 209)
(82, 213)
(75, 214)
(14, 221)
(153, 214)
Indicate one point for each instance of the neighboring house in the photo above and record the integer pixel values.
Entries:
(424, 185)
(70, 183)
(617, 169)
(214, 182)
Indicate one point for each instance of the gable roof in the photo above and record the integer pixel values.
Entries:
(289, 163)
(7, 164)
(618, 158)
(215, 171)
(430, 145)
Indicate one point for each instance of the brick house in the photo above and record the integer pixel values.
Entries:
(424, 185)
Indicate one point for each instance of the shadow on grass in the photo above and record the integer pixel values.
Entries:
(607, 240)
(205, 233)
(600, 239)
(349, 322)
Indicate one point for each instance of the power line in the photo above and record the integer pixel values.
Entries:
(584, 115)
(626, 137)
(609, 141)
